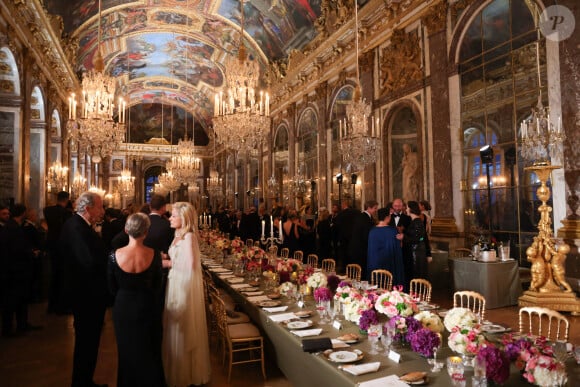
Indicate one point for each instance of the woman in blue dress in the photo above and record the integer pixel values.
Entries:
(384, 248)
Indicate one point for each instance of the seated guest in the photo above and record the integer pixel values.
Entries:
(384, 248)
(135, 280)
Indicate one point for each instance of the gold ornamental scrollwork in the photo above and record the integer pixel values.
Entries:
(436, 19)
(400, 63)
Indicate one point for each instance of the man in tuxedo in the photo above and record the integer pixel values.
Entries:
(55, 217)
(85, 258)
(401, 221)
(160, 233)
(344, 223)
(363, 222)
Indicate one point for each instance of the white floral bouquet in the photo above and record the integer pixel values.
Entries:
(317, 280)
(430, 321)
(466, 341)
(396, 303)
(287, 288)
(460, 317)
(355, 305)
(343, 292)
(289, 265)
(544, 370)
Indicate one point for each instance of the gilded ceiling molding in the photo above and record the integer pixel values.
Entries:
(456, 8)
(436, 18)
(366, 60)
(400, 63)
(35, 28)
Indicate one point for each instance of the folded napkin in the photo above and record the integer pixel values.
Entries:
(240, 286)
(226, 276)
(256, 293)
(219, 269)
(308, 332)
(338, 344)
(255, 299)
(279, 309)
(361, 369)
(235, 280)
(388, 381)
(281, 316)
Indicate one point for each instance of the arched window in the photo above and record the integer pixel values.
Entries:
(307, 157)
(9, 78)
(151, 176)
(499, 84)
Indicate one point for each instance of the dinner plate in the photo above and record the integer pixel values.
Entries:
(428, 306)
(299, 324)
(344, 356)
(423, 381)
(303, 313)
(349, 338)
(235, 280)
(269, 303)
(493, 328)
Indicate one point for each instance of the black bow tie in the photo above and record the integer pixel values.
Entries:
(397, 215)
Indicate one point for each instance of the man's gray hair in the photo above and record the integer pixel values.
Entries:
(86, 199)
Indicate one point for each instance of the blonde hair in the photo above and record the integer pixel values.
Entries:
(187, 214)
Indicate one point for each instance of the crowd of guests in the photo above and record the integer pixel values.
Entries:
(146, 265)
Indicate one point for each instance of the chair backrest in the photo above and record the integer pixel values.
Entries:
(273, 250)
(470, 300)
(312, 260)
(460, 252)
(353, 271)
(256, 243)
(540, 322)
(285, 252)
(298, 255)
(382, 278)
(328, 265)
(421, 289)
(249, 242)
(219, 313)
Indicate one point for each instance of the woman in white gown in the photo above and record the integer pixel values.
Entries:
(185, 339)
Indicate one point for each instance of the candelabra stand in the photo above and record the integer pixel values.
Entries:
(548, 287)
(270, 241)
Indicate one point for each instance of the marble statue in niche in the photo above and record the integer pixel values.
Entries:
(410, 169)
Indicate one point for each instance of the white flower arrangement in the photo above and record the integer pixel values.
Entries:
(317, 280)
(287, 288)
(396, 303)
(547, 372)
(460, 317)
(430, 321)
(352, 311)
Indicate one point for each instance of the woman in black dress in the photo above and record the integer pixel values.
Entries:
(291, 235)
(135, 280)
(416, 248)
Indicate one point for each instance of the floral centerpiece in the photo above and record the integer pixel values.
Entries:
(237, 244)
(497, 364)
(289, 265)
(287, 288)
(368, 317)
(396, 303)
(459, 317)
(466, 341)
(343, 292)
(317, 280)
(535, 356)
(355, 305)
(424, 341)
(222, 243)
(430, 321)
(322, 294)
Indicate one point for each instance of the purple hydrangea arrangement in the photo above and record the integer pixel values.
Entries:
(497, 364)
(322, 294)
(423, 341)
(368, 318)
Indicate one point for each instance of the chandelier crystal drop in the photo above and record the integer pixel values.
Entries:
(241, 114)
(57, 179)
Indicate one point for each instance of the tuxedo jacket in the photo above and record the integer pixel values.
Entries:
(85, 261)
(160, 234)
(55, 217)
(404, 221)
(360, 237)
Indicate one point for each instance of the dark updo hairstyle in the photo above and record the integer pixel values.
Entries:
(414, 207)
(426, 205)
(382, 213)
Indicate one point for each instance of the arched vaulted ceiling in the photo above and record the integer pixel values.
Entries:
(172, 51)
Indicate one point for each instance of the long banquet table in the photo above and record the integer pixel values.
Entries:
(498, 282)
(305, 369)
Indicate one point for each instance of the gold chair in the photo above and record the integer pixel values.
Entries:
(256, 243)
(544, 315)
(353, 271)
(238, 339)
(273, 250)
(312, 260)
(249, 242)
(285, 252)
(470, 300)
(460, 252)
(328, 265)
(298, 255)
(421, 289)
(382, 278)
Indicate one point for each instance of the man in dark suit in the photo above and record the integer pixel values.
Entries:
(344, 222)
(85, 258)
(160, 233)
(363, 222)
(401, 221)
(55, 217)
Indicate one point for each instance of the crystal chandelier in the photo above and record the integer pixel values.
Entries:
(159, 189)
(57, 178)
(79, 184)
(540, 141)
(99, 191)
(96, 133)
(273, 186)
(241, 122)
(126, 183)
(169, 181)
(184, 165)
(357, 146)
(214, 183)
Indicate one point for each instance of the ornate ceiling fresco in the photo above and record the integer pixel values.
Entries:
(172, 51)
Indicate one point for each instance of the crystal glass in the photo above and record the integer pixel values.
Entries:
(330, 311)
(387, 341)
(455, 366)
(577, 354)
(479, 372)
(437, 365)
(321, 309)
(374, 332)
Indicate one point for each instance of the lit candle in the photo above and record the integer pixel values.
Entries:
(378, 127)
(559, 124)
(271, 226)
(263, 226)
(372, 127)
(281, 236)
(200, 220)
(209, 220)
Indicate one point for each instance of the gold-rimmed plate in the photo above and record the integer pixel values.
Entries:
(303, 313)
(303, 324)
(344, 356)
(269, 304)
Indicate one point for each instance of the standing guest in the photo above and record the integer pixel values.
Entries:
(4, 215)
(290, 232)
(85, 258)
(416, 244)
(36, 239)
(114, 223)
(16, 265)
(399, 218)
(307, 231)
(425, 207)
(344, 228)
(324, 234)
(55, 217)
(185, 340)
(334, 230)
(160, 233)
(384, 249)
(363, 223)
(135, 281)
(223, 220)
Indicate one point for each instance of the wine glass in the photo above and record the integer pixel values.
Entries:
(321, 309)
(330, 310)
(374, 332)
(455, 367)
(387, 341)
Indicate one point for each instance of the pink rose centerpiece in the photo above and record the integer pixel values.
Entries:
(396, 303)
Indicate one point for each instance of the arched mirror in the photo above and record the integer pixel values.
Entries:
(281, 159)
(307, 156)
(338, 112)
